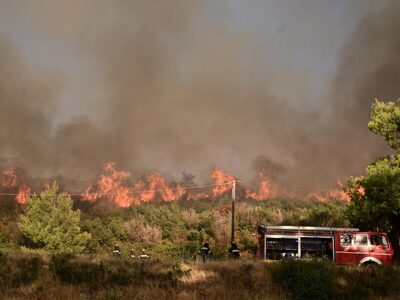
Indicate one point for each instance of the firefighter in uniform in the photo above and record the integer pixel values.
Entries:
(205, 252)
(117, 250)
(132, 253)
(234, 251)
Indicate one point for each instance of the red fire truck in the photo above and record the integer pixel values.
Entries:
(346, 246)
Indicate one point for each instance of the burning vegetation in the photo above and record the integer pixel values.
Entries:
(14, 185)
(118, 187)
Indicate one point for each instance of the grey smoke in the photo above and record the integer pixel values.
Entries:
(182, 90)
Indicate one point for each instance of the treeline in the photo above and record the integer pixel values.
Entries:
(164, 230)
(179, 229)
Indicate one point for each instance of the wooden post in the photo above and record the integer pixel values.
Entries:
(233, 210)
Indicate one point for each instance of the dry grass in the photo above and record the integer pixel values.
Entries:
(229, 280)
(185, 280)
(154, 280)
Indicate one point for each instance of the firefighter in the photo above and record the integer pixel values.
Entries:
(132, 253)
(234, 251)
(205, 252)
(117, 250)
(143, 254)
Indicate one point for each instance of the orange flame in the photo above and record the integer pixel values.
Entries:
(361, 190)
(23, 193)
(266, 190)
(156, 184)
(114, 186)
(222, 181)
(339, 194)
(195, 196)
(317, 196)
(11, 180)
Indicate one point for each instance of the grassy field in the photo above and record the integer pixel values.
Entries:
(104, 277)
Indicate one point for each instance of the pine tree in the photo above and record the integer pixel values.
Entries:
(50, 222)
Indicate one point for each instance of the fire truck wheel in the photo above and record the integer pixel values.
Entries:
(369, 264)
(370, 261)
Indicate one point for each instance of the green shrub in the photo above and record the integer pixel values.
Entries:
(366, 282)
(247, 242)
(76, 272)
(170, 279)
(176, 250)
(193, 235)
(120, 276)
(18, 270)
(4, 238)
(114, 272)
(305, 279)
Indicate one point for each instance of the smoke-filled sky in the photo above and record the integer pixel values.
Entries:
(280, 87)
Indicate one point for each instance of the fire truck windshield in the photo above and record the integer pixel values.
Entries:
(379, 240)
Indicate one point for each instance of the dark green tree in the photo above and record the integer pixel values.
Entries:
(49, 222)
(375, 197)
(385, 121)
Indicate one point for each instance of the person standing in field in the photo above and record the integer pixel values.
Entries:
(234, 251)
(117, 250)
(205, 252)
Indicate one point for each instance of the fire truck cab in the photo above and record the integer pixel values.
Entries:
(346, 246)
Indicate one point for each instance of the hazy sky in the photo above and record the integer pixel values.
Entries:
(179, 86)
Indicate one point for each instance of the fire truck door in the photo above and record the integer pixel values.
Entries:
(362, 247)
(380, 248)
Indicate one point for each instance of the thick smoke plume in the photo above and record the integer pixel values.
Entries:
(185, 92)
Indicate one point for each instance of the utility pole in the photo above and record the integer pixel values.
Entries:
(233, 210)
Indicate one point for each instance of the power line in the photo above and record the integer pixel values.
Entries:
(317, 190)
(128, 192)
